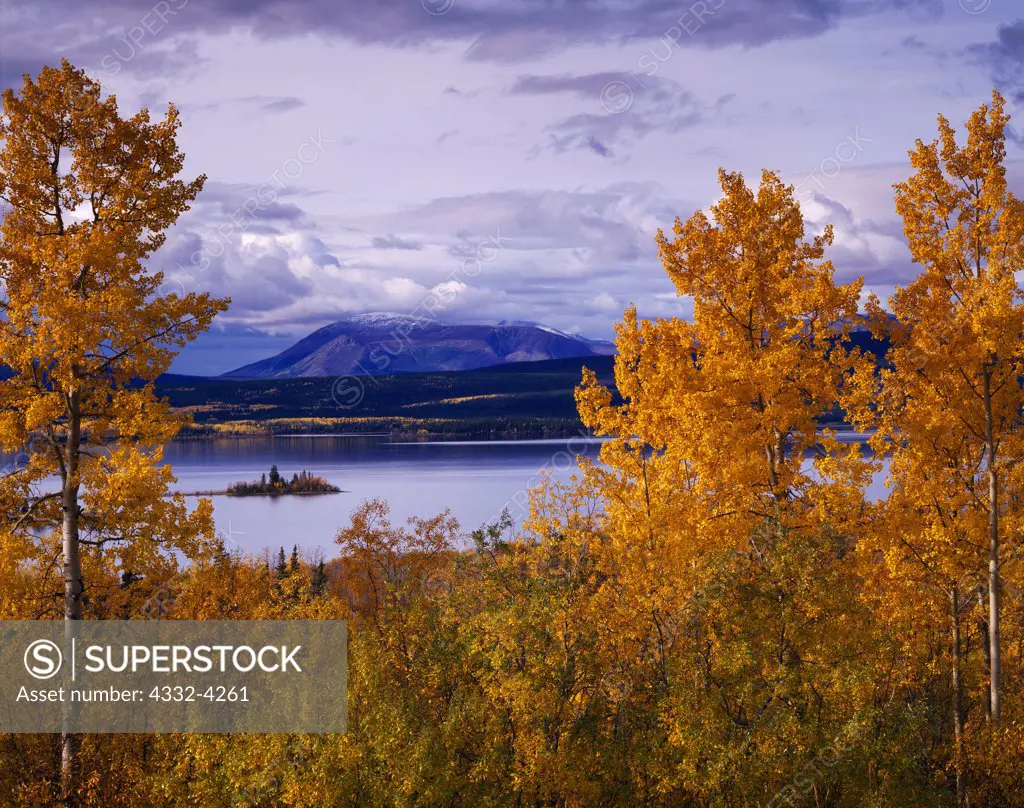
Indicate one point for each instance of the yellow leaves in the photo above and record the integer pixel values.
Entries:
(958, 332)
(88, 194)
(80, 300)
(720, 549)
(733, 398)
(41, 411)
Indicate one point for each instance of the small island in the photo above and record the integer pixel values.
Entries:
(273, 484)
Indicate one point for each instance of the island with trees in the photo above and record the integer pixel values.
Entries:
(273, 484)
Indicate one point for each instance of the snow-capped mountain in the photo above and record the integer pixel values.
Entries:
(385, 342)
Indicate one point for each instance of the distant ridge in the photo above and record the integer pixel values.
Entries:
(386, 342)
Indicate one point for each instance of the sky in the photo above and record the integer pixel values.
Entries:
(513, 159)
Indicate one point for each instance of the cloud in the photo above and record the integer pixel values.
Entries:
(499, 253)
(393, 243)
(574, 259)
(13, 67)
(616, 219)
(872, 248)
(221, 201)
(1004, 58)
(621, 109)
(396, 214)
(597, 146)
(502, 32)
(587, 86)
(282, 104)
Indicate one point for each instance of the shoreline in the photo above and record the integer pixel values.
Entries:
(410, 429)
(225, 493)
(414, 430)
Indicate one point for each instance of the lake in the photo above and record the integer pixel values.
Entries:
(475, 479)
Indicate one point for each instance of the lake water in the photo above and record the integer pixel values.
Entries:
(475, 479)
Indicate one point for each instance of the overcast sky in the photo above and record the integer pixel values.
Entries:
(512, 158)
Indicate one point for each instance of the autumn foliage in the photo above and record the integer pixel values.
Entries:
(715, 614)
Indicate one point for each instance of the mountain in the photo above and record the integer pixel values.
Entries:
(385, 342)
(515, 392)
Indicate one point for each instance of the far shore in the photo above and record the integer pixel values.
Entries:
(416, 429)
(225, 493)
(500, 428)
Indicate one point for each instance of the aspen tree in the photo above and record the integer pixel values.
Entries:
(86, 329)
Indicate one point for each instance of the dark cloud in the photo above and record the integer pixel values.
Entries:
(393, 243)
(266, 103)
(1004, 58)
(572, 257)
(623, 108)
(497, 31)
(13, 67)
(284, 104)
(589, 85)
(598, 147)
(220, 201)
(284, 212)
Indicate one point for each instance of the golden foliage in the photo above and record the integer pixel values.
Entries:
(712, 615)
(86, 329)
